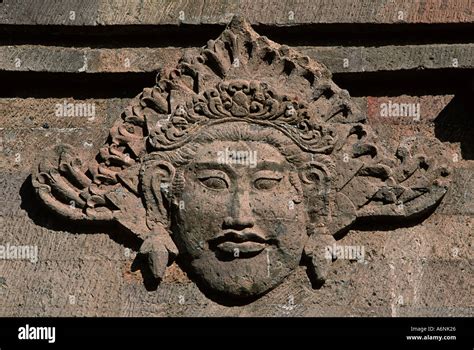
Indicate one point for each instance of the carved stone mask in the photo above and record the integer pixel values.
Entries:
(245, 161)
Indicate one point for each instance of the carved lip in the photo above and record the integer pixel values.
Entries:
(239, 243)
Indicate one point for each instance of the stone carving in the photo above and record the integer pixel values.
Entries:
(244, 161)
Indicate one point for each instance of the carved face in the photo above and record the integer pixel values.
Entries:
(240, 220)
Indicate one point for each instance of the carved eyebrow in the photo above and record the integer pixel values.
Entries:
(269, 174)
(264, 165)
(216, 166)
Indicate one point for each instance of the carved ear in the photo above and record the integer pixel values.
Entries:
(156, 180)
(316, 174)
(159, 249)
(316, 181)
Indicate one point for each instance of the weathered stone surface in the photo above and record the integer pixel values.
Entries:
(167, 12)
(31, 122)
(406, 110)
(365, 11)
(164, 158)
(35, 113)
(460, 198)
(337, 59)
(77, 60)
(46, 12)
(391, 57)
(20, 147)
(421, 267)
(106, 12)
(92, 291)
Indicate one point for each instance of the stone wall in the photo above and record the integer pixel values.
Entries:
(105, 52)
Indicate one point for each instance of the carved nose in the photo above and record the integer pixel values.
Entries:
(241, 213)
(238, 223)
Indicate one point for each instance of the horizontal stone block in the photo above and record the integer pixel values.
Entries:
(45, 12)
(365, 11)
(392, 57)
(45, 113)
(174, 12)
(167, 12)
(338, 59)
(78, 60)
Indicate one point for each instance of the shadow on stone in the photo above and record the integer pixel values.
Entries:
(149, 281)
(387, 224)
(453, 124)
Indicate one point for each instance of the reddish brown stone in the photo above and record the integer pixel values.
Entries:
(242, 162)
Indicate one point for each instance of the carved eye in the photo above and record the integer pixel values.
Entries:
(266, 183)
(215, 183)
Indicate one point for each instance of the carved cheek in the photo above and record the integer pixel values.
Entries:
(276, 204)
(281, 217)
(202, 212)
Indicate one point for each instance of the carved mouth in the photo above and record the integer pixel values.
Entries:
(239, 244)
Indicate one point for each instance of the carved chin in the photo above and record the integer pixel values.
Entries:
(244, 277)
